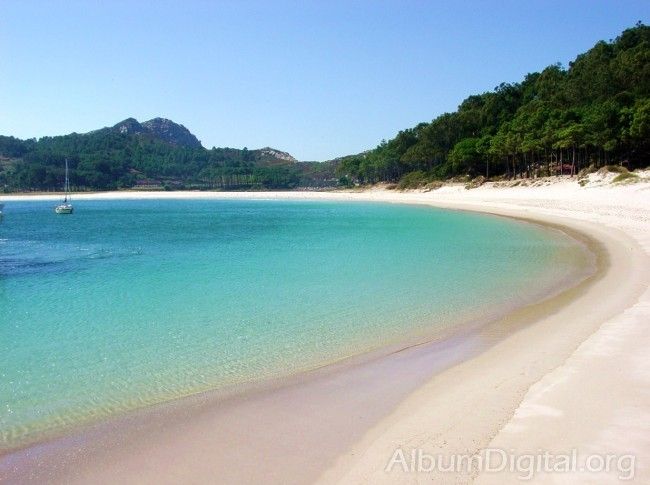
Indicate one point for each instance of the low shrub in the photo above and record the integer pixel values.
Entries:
(475, 182)
(413, 180)
(616, 169)
(586, 171)
(435, 185)
(625, 177)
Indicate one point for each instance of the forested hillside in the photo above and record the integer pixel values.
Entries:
(558, 121)
(157, 154)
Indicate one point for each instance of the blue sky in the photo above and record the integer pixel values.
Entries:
(319, 79)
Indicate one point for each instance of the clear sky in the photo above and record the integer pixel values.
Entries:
(319, 79)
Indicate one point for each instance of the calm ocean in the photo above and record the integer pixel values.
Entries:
(128, 303)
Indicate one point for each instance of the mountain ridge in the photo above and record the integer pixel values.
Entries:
(162, 128)
(155, 154)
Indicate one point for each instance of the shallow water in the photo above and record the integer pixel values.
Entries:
(128, 303)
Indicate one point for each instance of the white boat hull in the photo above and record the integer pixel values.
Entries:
(63, 209)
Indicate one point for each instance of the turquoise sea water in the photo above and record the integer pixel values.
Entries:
(128, 303)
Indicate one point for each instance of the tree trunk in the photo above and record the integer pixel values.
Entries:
(573, 162)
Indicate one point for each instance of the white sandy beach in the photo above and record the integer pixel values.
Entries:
(577, 378)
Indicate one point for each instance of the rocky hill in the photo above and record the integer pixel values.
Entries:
(273, 154)
(160, 128)
(154, 155)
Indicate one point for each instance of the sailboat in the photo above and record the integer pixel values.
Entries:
(66, 207)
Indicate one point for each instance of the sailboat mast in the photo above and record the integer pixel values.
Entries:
(66, 206)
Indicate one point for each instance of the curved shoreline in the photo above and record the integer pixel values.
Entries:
(489, 405)
(199, 410)
(462, 326)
